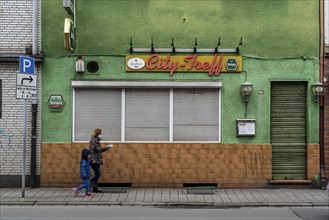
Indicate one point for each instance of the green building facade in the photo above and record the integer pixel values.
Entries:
(278, 42)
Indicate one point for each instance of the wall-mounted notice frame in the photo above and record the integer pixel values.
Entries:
(246, 127)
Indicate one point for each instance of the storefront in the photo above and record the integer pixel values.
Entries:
(237, 115)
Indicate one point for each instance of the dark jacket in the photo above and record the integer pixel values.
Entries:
(85, 172)
(96, 151)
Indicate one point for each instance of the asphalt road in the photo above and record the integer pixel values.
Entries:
(150, 213)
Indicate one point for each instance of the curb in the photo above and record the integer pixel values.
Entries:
(161, 205)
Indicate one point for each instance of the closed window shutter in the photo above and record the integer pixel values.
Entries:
(147, 115)
(196, 114)
(98, 108)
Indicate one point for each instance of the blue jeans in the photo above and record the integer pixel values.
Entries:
(97, 173)
(85, 184)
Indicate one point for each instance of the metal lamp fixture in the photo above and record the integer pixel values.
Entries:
(246, 91)
(173, 49)
(317, 91)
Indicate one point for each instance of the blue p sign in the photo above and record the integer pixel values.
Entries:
(26, 65)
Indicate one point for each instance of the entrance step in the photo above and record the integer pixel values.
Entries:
(292, 184)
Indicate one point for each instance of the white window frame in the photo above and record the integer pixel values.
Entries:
(142, 84)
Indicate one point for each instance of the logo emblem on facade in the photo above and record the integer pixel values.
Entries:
(136, 63)
(231, 64)
(55, 103)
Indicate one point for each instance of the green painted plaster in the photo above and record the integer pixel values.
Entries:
(59, 72)
(271, 28)
(280, 43)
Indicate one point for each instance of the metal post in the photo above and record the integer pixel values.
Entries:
(33, 180)
(24, 151)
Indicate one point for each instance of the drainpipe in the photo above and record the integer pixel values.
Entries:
(322, 172)
(34, 107)
(35, 28)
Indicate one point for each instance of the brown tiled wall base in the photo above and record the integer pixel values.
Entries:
(313, 161)
(163, 165)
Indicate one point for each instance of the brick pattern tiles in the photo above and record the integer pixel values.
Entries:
(16, 25)
(313, 160)
(163, 165)
(15, 35)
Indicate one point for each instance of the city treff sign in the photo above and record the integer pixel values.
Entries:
(213, 65)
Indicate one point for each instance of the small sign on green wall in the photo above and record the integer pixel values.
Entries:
(55, 103)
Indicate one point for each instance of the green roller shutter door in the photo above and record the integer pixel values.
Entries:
(288, 130)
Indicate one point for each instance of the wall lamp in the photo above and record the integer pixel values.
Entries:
(246, 91)
(317, 91)
(80, 65)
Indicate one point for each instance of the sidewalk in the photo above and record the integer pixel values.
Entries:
(169, 197)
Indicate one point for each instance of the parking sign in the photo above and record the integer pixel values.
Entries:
(26, 65)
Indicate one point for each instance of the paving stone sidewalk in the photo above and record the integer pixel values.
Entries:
(170, 197)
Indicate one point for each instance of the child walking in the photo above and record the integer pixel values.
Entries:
(85, 174)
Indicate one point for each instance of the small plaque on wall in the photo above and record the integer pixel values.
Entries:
(246, 127)
(56, 103)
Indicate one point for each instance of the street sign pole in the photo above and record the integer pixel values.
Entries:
(24, 151)
(26, 82)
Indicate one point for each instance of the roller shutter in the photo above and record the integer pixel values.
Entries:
(288, 130)
(196, 114)
(97, 108)
(147, 114)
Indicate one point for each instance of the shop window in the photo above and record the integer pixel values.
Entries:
(195, 114)
(148, 114)
(97, 108)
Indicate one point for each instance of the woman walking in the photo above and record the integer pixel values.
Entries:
(96, 158)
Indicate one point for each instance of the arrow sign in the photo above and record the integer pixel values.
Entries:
(26, 80)
(30, 79)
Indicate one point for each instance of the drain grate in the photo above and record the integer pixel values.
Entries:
(199, 191)
(115, 190)
(115, 187)
(200, 188)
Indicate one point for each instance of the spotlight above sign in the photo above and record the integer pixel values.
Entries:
(173, 49)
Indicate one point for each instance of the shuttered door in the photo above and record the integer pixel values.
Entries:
(288, 130)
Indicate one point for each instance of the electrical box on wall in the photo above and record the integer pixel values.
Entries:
(246, 127)
(69, 6)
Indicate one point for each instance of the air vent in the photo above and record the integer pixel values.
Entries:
(93, 66)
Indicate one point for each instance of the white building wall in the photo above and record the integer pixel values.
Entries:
(15, 36)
